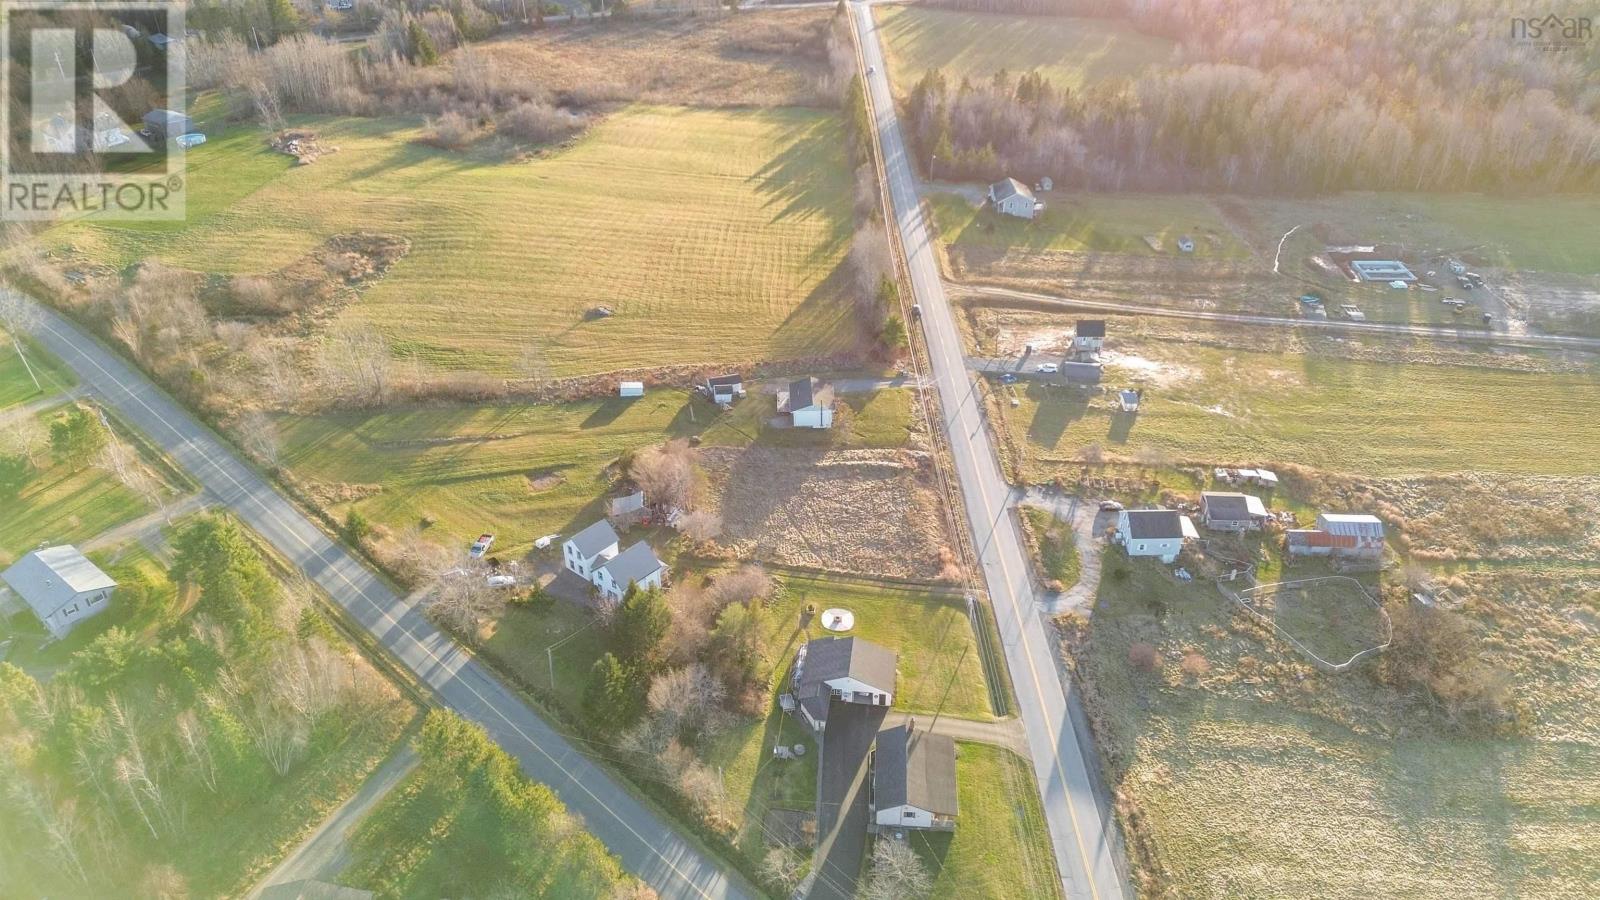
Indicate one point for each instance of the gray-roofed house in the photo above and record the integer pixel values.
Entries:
(808, 402)
(724, 389)
(1012, 197)
(1089, 336)
(1232, 511)
(637, 565)
(914, 780)
(1151, 532)
(61, 586)
(849, 670)
(585, 551)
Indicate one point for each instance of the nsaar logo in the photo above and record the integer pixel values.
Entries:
(92, 121)
(1552, 32)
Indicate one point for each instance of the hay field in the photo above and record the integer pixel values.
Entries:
(714, 236)
(1209, 405)
(1263, 777)
(1071, 52)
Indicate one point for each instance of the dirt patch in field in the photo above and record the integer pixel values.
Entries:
(544, 481)
(316, 284)
(862, 511)
(326, 493)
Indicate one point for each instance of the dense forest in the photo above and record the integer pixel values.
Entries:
(1272, 95)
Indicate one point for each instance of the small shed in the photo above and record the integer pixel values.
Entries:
(627, 508)
(1186, 244)
(725, 389)
(1089, 335)
(630, 389)
(164, 124)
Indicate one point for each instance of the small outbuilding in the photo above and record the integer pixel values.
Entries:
(61, 586)
(1342, 536)
(1129, 400)
(725, 389)
(630, 389)
(165, 125)
(1089, 335)
(1011, 197)
(627, 509)
(1232, 511)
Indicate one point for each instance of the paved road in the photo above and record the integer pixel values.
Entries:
(1087, 523)
(1082, 831)
(324, 853)
(1465, 335)
(646, 844)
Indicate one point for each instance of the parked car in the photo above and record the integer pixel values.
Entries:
(1110, 506)
(1353, 312)
(1048, 368)
(872, 70)
(1008, 378)
(481, 545)
(501, 581)
(916, 310)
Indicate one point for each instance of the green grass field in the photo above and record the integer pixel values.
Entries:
(16, 385)
(1206, 405)
(52, 504)
(524, 471)
(1265, 778)
(714, 235)
(1092, 222)
(1072, 53)
(1000, 847)
(1058, 552)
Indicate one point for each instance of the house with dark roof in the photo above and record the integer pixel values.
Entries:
(1088, 336)
(61, 586)
(725, 389)
(1151, 532)
(913, 780)
(588, 549)
(1232, 511)
(1013, 198)
(849, 670)
(637, 565)
(808, 402)
(166, 125)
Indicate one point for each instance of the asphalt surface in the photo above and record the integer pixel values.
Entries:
(842, 789)
(1082, 830)
(1394, 329)
(647, 846)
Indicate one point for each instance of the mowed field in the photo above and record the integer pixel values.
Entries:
(713, 235)
(1093, 222)
(1262, 777)
(16, 384)
(1071, 52)
(1203, 405)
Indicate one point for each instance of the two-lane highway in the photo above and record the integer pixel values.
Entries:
(1082, 833)
(646, 844)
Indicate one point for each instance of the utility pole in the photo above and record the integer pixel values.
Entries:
(550, 651)
(947, 686)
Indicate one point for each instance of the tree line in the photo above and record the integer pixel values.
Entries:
(1270, 96)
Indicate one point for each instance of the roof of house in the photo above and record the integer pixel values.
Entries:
(1316, 537)
(1090, 328)
(1153, 524)
(166, 118)
(48, 579)
(594, 539)
(915, 769)
(1006, 188)
(1227, 505)
(627, 504)
(733, 380)
(808, 392)
(1353, 524)
(830, 657)
(636, 563)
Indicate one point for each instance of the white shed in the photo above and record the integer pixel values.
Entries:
(61, 586)
(630, 389)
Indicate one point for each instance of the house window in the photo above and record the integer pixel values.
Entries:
(909, 814)
(95, 599)
(70, 611)
(1141, 546)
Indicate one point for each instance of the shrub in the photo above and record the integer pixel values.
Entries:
(450, 131)
(538, 124)
(1143, 657)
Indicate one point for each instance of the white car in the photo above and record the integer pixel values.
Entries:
(872, 70)
(500, 581)
(1047, 368)
(545, 541)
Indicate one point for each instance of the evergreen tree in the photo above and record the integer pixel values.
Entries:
(612, 698)
(76, 437)
(641, 625)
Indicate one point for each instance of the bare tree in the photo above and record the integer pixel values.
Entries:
(462, 598)
(701, 525)
(259, 435)
(195, 743)
(668, 475)
(687, 699)
(897, 873)
(356, 360)
(750, 582)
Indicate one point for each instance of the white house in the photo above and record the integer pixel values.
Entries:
(585, 551)
(61, 586)
(1088, 336)
(808, 402)
(914, 780)
(1151, 532)
(636, 565)
(725, 389)
(849, 670)
(1231, 511)
(1013, 198)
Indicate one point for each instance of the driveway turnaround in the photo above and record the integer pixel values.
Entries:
(647, 846)
(1088, 851)
(842, 787)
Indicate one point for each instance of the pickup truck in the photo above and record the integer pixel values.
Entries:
(481, 545)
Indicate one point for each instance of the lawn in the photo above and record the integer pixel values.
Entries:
(1057, 549)
(1072, 53)
(1093, 222)
(1264, 777)
(1000, 847)
(16, 386)
(1209, 405)
(712, 235)
(522, 471)
(48, 503)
